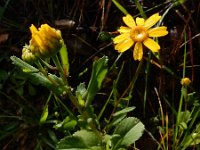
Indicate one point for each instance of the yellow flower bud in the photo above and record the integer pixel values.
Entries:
(185, 81)
(46, 41)
(27, 55)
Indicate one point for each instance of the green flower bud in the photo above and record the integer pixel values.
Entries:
(27, 55)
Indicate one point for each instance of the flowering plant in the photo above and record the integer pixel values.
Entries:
(86, 121)
(82, 124)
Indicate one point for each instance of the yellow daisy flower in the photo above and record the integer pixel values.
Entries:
(138, 32)
(46, 41)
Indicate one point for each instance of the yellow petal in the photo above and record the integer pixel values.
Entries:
(33, 29)
(45, 26)
(125, 45)
(129, 21)
(121, 37)
(157, 32)
(139, 21)
(46, 30)
(152, 20)
(138, 51)
(38, 39)
(152, 45)
(123, 29)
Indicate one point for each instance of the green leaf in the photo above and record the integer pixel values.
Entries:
(34, 75)
(80, 92)
(109, 138)
(44, 115)
(22, 64)
(196, 135)
(69, 123)
(99, 72)
(52, 136)
(130, 130)
(81, 89)
(124, 111)
(66, 124)
(191, 139)
(119, 116)
(116, 120)
(185, 116)
(80, 140)
(64, 58)
(195, 138)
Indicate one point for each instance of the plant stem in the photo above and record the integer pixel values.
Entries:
(66, 108)
(177, 122)
(184, 88)
(111, 93)
(120, 7)
(43, 71)
(147, 71)
(130, 88)
(185, 53)
(41, 68)
(139, 7)
(60, 69)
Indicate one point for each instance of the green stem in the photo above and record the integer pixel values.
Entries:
(132, 85)
(177, 122)
(139, 7)
(60, 69)
(184, 59)
(72, 98)
(111, 93)
(167, 69)
(114, 64)
(130, 88)
(142, 13)
(66, 108)
(43, 116)
(41, 68)
(184, 88)
(43, 71)
(92, 124)
(164, 14)
(147, 71)
(120, 7)
(74, 101)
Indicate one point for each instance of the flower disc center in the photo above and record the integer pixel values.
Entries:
(139, 34)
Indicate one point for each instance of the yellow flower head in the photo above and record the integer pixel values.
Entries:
(46, 41)
(138, 32)
(185, 81)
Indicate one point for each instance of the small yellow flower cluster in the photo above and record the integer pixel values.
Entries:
(45, 42)
(137, 33)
